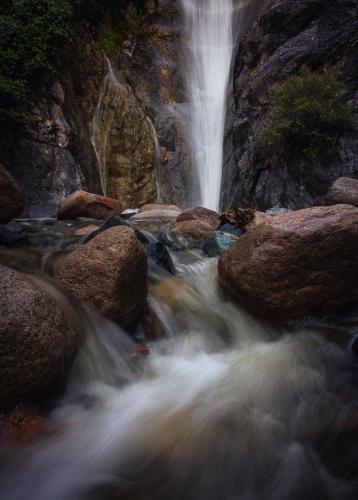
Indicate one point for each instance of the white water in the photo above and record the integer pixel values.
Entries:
(99, 140)
(210, 40)
(224, 408)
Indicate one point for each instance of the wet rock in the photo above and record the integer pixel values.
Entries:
(343, 190)
(83, 204)
(201, 214)
(228, 228)
(195, 229)
(153, 329)
(12, 233)
(11, 198)
(149, 207)
(109, 273)
(296, 264)
(156, 215)
(85, 231)
(38, 339)
(176, 241)
(218, 242)
(243, 218)
(21, 428)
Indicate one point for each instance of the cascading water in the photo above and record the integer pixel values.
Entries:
(223, 408)
(99, 140)
(209, 27)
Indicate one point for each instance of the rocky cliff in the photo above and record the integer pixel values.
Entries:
(319, 34)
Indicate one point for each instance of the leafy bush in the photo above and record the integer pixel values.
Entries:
(32, 33)
(108, 39)
(307, 114)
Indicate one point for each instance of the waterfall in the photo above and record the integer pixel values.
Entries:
(99, 141)
(156, 158)
(210, 40)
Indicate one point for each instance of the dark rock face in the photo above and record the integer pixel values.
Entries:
(288, 35)
(11, 198)
(83, 204)
(38, 339)
(344, 190)
(53, 156)
(152, 65)
(109, 273)
(296, 264)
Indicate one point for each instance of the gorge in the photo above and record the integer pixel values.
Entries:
(178, 250)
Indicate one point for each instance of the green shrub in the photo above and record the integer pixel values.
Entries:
(108, 39)
(32, 32)
(307, 114)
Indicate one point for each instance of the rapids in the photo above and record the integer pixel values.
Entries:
(224, 407)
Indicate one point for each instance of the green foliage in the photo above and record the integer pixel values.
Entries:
(307, 114)
(32, 32)
(108, 39)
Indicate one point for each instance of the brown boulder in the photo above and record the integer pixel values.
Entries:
(196, 229)
(11, 198)
(38, 338)
(83, 204)
(296, 264)
(201, 214)
(109, 273)
(161, 215)
(244, 218)
(343, 190)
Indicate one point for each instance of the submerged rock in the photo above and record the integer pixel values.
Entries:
(228, 228)
(38, 339)
(109, 273)
(218, 242)
(20, 428)
(343, 190)
(296, 264)
(83, 204)
(11, 197)
(176, 240)
(12, 233)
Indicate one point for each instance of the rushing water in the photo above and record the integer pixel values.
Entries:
(223, 408)
(209, 28)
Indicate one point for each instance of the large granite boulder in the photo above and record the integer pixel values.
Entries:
(299, 263)
(83, 204)
(343, 190)
(11, 198)
(38, 338)
(108, 273)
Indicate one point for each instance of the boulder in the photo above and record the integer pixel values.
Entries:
(195, 229)
(83, 204)
(343, 190)
(201, 214)
(108, 273)
(243, 218)
(149, 207)
(11, 198)
(162, 215)
(38, 338)
(218, 242)
(296, 264)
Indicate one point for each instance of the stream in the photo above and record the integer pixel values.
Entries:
(224, 407)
